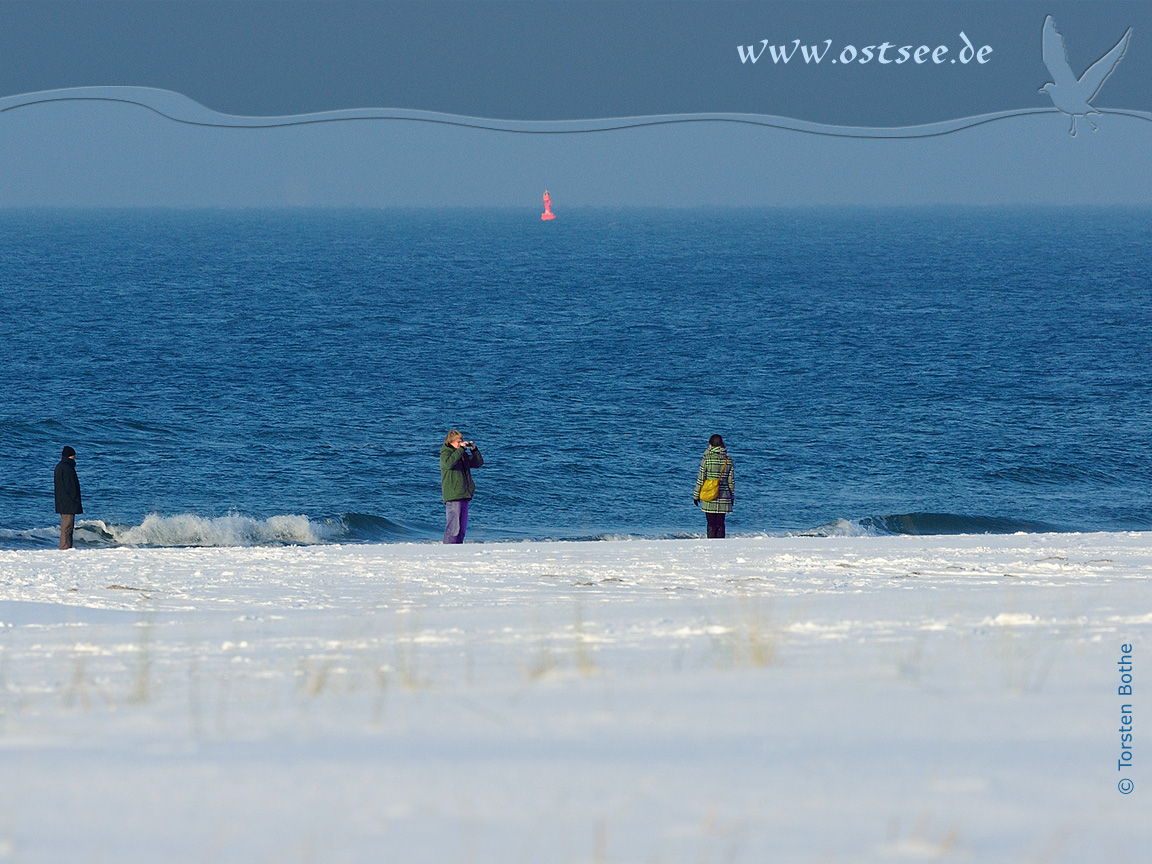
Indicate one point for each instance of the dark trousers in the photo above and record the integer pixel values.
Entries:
(715, 524)
(456, 513)
(67, 526)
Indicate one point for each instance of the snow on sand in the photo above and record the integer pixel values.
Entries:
(770, 699)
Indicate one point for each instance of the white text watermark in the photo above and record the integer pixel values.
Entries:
(882, 54)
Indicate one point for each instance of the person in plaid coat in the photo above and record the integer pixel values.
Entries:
(716, 464)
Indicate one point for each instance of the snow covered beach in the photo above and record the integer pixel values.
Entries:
(779, 698)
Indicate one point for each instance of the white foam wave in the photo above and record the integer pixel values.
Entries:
(31, 536)
(841, 528)
(186, 529)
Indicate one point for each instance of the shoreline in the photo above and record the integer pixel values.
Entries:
(289, 530)
(271, 575)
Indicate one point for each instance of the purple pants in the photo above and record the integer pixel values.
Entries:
(457, 519)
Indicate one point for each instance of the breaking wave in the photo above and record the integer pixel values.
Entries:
(186, 529)
(926, 523)
(232, 530)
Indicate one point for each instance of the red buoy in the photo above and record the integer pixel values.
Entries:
(547, 214)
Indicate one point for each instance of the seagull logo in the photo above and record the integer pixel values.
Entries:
(1070, 94)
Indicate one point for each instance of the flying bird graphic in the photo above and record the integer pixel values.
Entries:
(1070, 94)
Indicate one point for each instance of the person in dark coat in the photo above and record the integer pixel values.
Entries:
(67, 495)
(457, 459)
(716, 464)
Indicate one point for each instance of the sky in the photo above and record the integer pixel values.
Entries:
(547, 60)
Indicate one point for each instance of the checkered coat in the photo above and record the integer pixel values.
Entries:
(712, 465)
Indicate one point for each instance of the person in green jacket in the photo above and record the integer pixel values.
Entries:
(457, 459)
(716, 465)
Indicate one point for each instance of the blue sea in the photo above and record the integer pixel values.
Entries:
(241, 377)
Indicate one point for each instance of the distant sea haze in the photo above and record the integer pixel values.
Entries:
(249, 377)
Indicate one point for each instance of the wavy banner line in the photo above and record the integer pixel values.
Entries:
(181, 109)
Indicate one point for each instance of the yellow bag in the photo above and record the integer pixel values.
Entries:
(711, 487)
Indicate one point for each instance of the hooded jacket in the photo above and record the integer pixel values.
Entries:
(67, 487)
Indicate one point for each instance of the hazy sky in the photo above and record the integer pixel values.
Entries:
(565, 60)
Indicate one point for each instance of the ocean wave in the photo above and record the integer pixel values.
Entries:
(926, 523)
(365, 527)
(620, 537)
(187, 529)
(32, 538)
